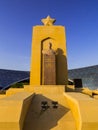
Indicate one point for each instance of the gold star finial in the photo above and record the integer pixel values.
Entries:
(48, 21)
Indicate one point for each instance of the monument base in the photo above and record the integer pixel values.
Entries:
(45, 89)
(23, 109)
(84, 109)
(13, 110)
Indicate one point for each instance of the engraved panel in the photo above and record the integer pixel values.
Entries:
(49, 70)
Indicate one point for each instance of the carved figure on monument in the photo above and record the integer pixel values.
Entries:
(49, 51)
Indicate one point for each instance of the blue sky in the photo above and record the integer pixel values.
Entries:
(80, 18)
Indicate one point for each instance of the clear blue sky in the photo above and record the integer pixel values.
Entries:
(80, 18)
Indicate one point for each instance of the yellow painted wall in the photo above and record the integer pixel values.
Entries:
(13, 110)
(84, 109)
(74, 106)
(41, 37)
(2, 96)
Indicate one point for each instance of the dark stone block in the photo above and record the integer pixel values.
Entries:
(49, 70)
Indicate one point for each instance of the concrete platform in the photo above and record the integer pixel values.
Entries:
(22, 110)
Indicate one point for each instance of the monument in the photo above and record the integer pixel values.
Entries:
(42, 36)
(45, 104)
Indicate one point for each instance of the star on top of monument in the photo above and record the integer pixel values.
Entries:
(48, 21)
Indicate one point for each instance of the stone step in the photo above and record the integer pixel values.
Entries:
(46, 89)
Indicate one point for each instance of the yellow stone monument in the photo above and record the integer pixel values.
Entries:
(44, 104)
(42, 36)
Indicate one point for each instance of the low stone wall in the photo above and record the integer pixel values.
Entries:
(84, 109)
(13, 110)
(74, 106)
(12, 91)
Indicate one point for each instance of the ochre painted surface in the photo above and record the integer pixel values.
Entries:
(41, 37)
(2, 95)
(12, 91)
(84, 109)
(73, 104)
(45, 89)
(13, 110)
(76, 111)
(92, 93)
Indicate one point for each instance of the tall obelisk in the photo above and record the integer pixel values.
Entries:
(41, 37)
